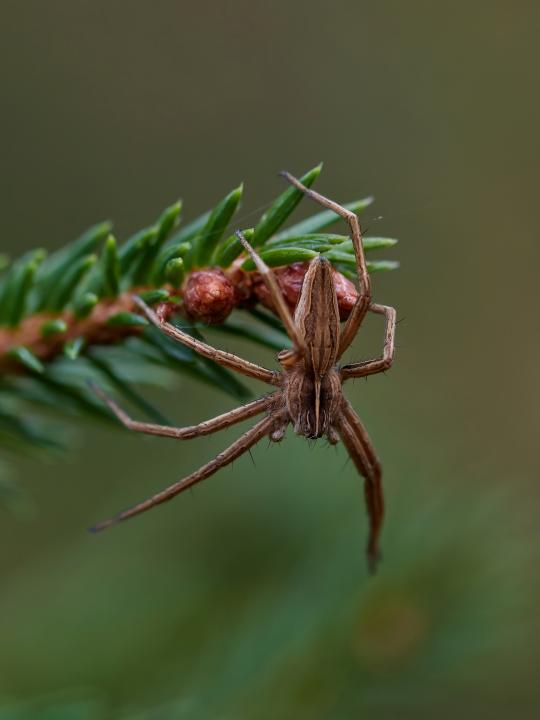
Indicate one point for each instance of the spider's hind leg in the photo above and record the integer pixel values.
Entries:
(360, 448)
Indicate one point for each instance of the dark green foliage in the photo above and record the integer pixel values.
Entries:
(231, 248)
(206, 240)
(174, 272)
(53, 327)
(26, 358)
(167, 255)
(142, 265)
(110, 269)
(134, 248)
(73, 348)
(61, 268)
(151, 297)
(322, 220)
(83, 305)
(281, 208)
(277, 257)
(127, 319)
(124, 388)
(17, 433)
(96, 273)
(16, 286)
(273, 338)
(64, 290)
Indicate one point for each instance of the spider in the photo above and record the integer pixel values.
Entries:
(309, 388)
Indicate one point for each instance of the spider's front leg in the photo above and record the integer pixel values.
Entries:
(219, 356)
(377, 365)
(364, 298)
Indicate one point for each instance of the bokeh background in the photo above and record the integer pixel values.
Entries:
(250, 598)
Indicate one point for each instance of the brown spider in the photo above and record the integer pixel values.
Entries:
(309, 388)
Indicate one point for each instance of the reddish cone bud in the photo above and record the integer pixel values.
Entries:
(290, 280)
(209, 296)
(347, 294)
(242, 282)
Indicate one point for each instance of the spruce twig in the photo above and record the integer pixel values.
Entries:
(63, 317)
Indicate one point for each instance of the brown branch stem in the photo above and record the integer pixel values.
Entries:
(204, 298)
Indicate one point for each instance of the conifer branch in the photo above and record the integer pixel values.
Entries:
(69, 317)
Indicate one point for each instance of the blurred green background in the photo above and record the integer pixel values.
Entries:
(250, 598)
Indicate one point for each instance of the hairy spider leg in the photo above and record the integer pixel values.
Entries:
(359, 446)
(246, 441)
(377, 365)
(220, 356)
(348, 425)
(227, 456)
(251, 409)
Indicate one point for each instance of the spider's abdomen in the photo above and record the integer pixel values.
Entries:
(312, 402)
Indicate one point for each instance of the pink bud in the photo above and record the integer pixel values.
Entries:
(290, 279)
(209, 296)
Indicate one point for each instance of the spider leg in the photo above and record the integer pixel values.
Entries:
(220, 356)
(187, 433)
(364, 298)
(360, 448)
(377, 365)
(238, 448)
(270, 281)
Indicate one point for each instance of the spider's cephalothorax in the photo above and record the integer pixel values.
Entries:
(308, 391)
